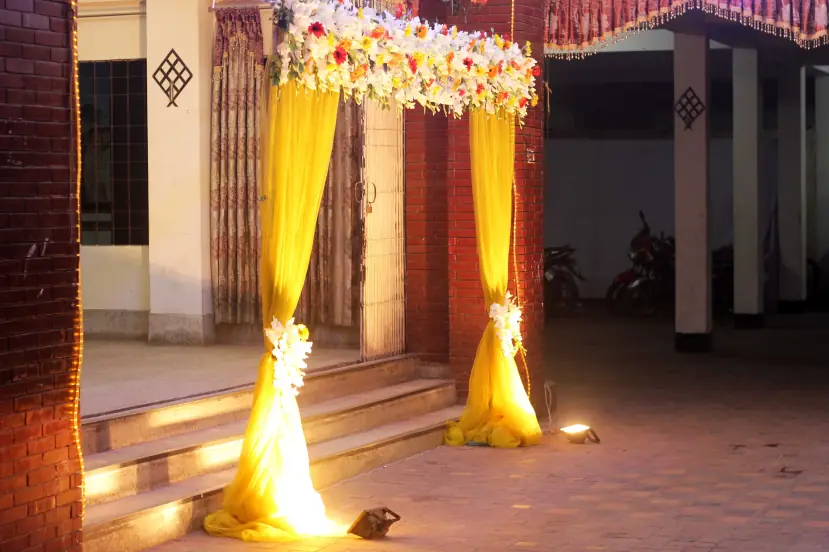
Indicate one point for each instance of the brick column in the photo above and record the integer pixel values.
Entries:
(467, 311)
(427, 289)
(40, 475)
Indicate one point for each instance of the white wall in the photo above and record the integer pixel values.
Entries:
(595, 189)
(116, 278)
(111, 29)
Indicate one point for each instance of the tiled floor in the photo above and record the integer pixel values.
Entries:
(676, 471)
(700, 453)
(121, 374)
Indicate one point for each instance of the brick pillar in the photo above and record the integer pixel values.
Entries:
(427, 289)
(467, 311)
(40, 475)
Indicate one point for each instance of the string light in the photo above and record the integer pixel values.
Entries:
(521, 350)
(657, 19)
(77, 352)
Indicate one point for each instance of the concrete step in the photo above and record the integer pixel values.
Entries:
(109, 432)
(151, 518)
(131, 470)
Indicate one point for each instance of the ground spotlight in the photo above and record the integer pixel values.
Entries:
(579, 434)
(374, 523)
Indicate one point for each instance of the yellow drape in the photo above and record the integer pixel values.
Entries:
(272, 497)
(498, 411)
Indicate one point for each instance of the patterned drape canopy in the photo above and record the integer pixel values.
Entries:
(579, 27)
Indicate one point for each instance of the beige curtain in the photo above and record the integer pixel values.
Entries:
(331, 293)
(234, 166)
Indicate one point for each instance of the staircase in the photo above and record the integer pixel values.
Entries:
(153, 475)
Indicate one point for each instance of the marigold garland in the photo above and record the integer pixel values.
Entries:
(333, 45)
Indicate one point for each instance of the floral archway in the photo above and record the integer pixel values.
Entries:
(326, 48)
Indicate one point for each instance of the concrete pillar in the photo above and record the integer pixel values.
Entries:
(748, 247)
(693, 256)
(179, 172)
(791, 187)
(820, 221)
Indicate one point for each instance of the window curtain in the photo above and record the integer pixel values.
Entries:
(331, 293)
(498, 411)
(235, 165)
(272, 496)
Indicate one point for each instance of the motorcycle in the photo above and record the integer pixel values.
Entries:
(640, 289)
(561, 275)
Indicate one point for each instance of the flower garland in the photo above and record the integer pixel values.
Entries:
(332, 45)
(506, 317)
(290, 350)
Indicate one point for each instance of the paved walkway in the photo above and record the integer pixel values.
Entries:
(680, 468)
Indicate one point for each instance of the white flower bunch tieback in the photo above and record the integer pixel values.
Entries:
(506, 317)
(290, 351)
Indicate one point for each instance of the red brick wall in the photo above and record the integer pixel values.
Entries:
(449, 191)
(40, 474)
(426, 145)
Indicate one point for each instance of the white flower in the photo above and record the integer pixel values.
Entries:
(291, 348)
(506, 317)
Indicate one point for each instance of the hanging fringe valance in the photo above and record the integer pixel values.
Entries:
(577, 28)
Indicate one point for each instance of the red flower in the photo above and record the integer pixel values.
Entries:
(339, 55)
(468, 63)
(522, 102)
(480, 88)
(507, 37)
(413, 64)
(398, 11)
(461, 92)
(536, 71)
(316, 29)
(500, 67)
(444, 30)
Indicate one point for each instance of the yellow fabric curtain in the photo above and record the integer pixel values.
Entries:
(498, 411)
(272, 497)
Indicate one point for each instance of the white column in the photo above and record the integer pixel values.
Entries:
(748, 246)
(820, 223)
(179, 168)
(791, 187)
(693, 257)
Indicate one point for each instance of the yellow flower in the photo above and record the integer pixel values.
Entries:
(381, 58)
(534, 100)
(419, 57)
(512, 101)
(331, 40)
(480, 71)
(408, 32)
(454, 32)
(366, 43)
(499, 41)
(395, 82)
(528, 49)
(360, 13)
(303, 332)
(331, 67)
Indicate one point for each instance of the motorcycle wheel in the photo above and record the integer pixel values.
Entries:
(616, 298)
(561, 298)
(643, 299)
